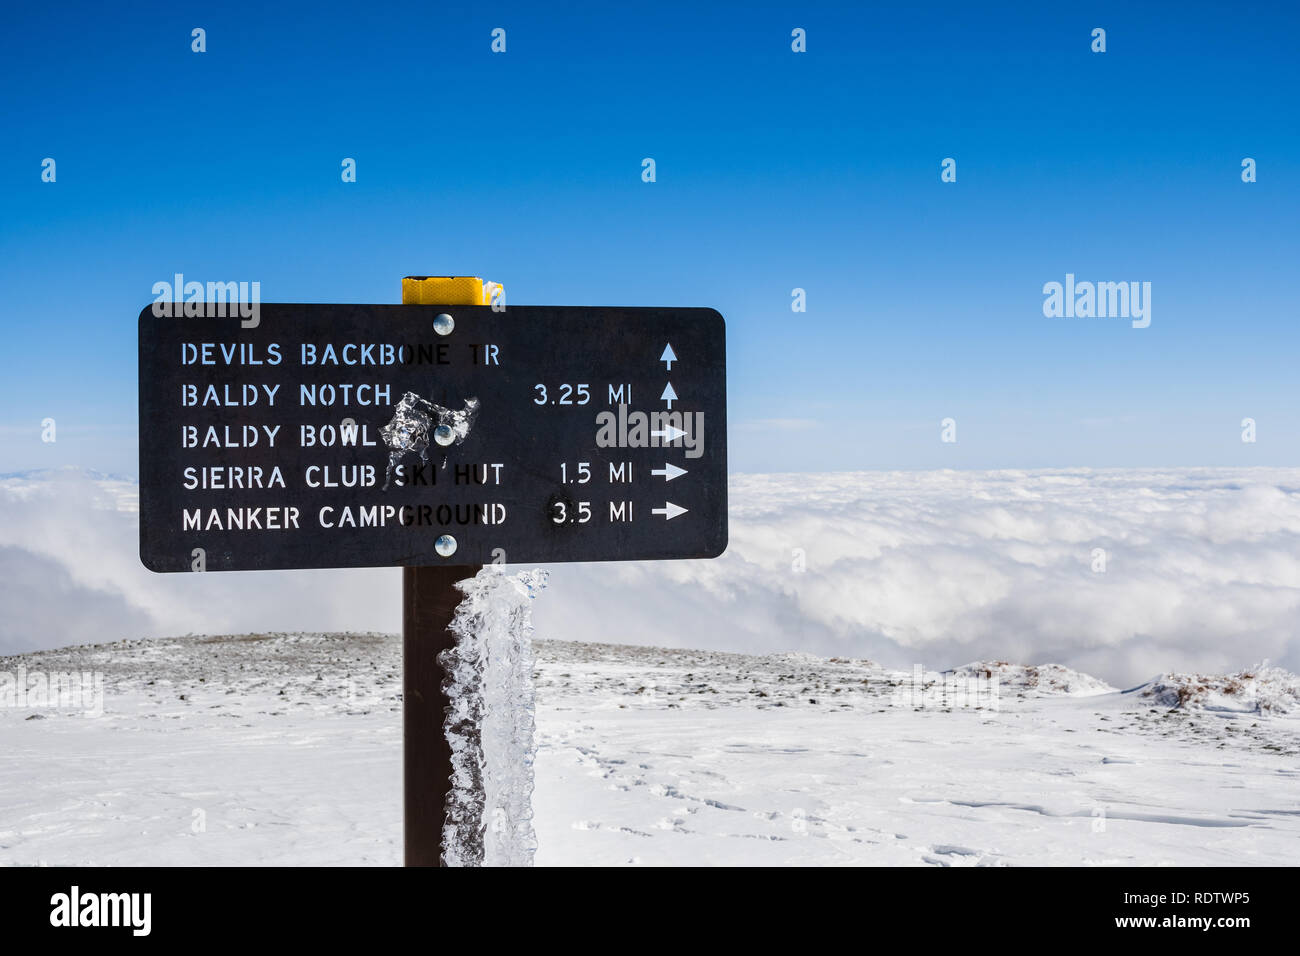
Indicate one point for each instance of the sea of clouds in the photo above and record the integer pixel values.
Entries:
(1202, 573)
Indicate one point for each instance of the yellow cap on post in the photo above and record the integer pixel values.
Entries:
(448, 290)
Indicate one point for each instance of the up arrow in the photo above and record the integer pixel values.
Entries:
(669, 356)
(668, 433)
(669, 471)
(669, 395)
(669, 511)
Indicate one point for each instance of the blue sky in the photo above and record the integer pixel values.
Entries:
(775, 170)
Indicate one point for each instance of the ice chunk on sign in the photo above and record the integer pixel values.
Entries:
(416, 422)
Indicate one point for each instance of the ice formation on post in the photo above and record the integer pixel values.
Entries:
(490, 721)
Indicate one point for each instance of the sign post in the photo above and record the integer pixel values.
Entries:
(429, 600)
(434, 436)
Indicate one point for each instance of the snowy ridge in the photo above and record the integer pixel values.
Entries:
(1257, 690)
(1045, 679)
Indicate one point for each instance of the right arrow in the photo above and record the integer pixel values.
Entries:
(669, 471)
(668, 433)
(669, 511)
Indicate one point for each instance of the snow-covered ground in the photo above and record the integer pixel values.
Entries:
(286, 749)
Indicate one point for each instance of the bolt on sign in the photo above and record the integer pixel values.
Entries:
(328, 436)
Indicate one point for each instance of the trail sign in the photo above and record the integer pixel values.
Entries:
(329, 436)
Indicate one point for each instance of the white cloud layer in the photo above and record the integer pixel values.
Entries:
(89, 531)
(939, 567)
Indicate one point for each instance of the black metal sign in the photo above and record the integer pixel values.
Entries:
(327, 436)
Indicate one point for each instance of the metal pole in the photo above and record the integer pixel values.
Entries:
(429, 599)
